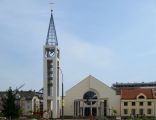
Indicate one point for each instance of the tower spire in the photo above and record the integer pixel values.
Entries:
(51, 35)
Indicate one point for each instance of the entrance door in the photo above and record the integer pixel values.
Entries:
(94, 111)
(87, 111)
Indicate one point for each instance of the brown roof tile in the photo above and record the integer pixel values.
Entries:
(133, 93)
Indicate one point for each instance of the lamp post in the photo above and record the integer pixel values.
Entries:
(62, 94)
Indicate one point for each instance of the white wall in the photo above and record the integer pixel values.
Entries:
(91, 83)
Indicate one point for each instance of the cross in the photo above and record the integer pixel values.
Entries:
(51, 6)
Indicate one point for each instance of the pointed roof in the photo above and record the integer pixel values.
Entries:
(90, 82)
(51, 35)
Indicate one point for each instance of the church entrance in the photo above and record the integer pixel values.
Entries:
(90, 104)
(90, 111)
(87, 111)
(94, 111)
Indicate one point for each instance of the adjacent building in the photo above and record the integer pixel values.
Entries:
(30, 102)
(138, 102)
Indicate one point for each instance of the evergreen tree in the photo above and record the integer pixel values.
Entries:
(10, 109)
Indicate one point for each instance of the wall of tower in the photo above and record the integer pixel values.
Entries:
(51, 79)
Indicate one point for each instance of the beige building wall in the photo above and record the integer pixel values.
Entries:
(35, 104)
(91, 84)
(26, 106)
(146, 107)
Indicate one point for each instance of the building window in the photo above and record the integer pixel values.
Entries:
(149, 111)
(125, 103)
(133, 111)
(133, 103)
(141, 97)
(141, 111)
(149, 103)
(125, 111)
(105, 107)
(141, 103)
(90, 96)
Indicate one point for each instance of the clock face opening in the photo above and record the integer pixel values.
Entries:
(89, 96)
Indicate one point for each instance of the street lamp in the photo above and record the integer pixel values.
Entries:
(62, 94)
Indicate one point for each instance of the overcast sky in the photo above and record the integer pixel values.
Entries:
(113, 40)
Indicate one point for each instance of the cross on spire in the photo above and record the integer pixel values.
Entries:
(51, 35)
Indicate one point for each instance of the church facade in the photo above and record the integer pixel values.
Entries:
(91, 97)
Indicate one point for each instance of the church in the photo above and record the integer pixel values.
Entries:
(90, 96)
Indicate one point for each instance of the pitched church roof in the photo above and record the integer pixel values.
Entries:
(90, 82)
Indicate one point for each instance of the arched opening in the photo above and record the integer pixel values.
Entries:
(91, 104)
(90, 98)
(141, 97)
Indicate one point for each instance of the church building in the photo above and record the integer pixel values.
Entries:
(90, 96)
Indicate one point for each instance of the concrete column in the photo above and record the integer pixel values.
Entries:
(91, 107)
(74, 108)
(97, 110)
(79, 109)
(83, 109)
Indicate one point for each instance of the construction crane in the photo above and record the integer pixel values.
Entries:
(20, 86)
(17, 88)
(41, 90)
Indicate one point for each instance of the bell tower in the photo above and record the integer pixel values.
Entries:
(51, 56)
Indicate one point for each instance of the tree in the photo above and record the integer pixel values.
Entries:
(114, 112)
(10, 109)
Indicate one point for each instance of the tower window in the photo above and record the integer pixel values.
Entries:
(58, 53)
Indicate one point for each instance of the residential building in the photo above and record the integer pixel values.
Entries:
(29, 101)
(118, 86)
(138, 102)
